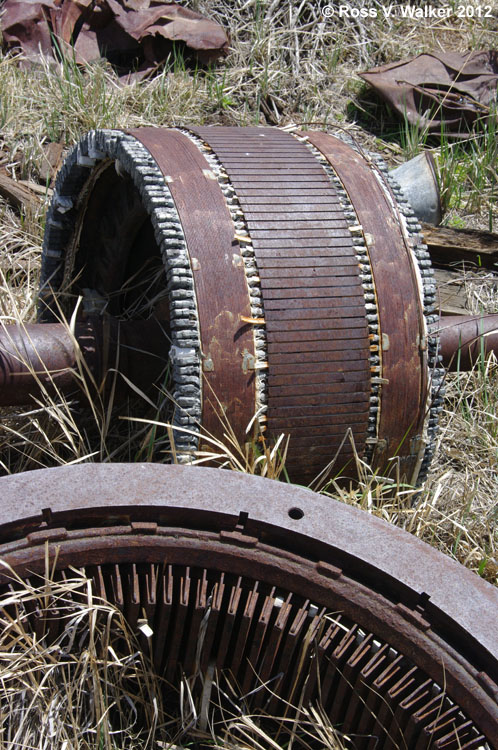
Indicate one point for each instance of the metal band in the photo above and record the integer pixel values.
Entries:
(227, 344)
(403, 334)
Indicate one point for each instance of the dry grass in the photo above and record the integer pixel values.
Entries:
(74, 675)
(89, 687)
(287, 64)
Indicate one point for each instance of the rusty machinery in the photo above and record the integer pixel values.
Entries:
(279, 274)
(283, 276)
(257, 582)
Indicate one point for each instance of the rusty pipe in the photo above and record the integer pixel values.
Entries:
(463, 338)
(44, 357)
(34, 357)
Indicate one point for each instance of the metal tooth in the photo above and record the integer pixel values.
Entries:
(166, 222)
(148, 176)
(182, 322)
(182, 266)
(182, 307)
(181, 294)
(186, 420)
(156, 201)
(156, 190)
(62, 203)
(180, 271)
(83, 160)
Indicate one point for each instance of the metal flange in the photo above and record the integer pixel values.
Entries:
(401, 641)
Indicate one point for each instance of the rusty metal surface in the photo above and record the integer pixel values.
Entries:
(220, 285)
(36, 358)
(253, 535)
(404, 363)
(136, 33)
(463, 339)
(308, 268)
(45, 357)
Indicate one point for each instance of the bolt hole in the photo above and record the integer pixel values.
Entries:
(296, 514)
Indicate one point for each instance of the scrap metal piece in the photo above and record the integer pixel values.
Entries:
(417, 179)
(464, 339)
(441, 92)
(401, 641)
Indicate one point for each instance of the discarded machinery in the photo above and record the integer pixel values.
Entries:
(262, 583)
(282, 275)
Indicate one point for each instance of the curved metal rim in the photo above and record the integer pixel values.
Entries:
(404, 365)
(226, 342)
(427, 607)
(457, 605)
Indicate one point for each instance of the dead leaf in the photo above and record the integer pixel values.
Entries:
(24, 26)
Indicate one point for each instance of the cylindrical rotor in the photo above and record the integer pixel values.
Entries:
(297, 285)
